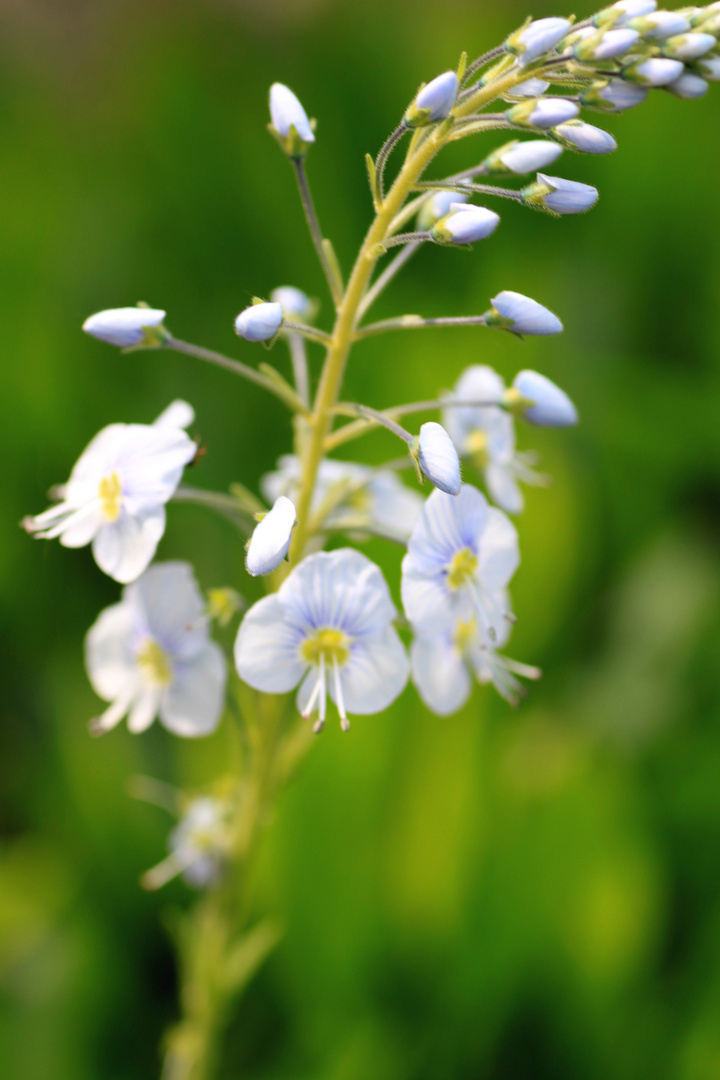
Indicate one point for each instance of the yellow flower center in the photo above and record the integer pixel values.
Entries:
(154, 663)
(462, 566)
(110, 493)
(360, 500)
(334, 644)
(476, 447)
(465, 633)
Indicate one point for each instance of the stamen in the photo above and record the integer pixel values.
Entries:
(311, 703)
(339, 699)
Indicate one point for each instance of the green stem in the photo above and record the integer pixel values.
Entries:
(315, 230)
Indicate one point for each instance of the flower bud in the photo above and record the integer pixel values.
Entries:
(530, 88)
(660, 25)
(711, 25)
(290, 124)
(434, 101)
(523, 157)
(438, 458)
(585, 138)
(709, 68)
(270, 541)
(465, 225)
(259, 322)
(295, 304)
(614, 96)
(688, 86)
(542, 112)
(536, 39)
(657, 71)
(621, 13)
(521, 315)
(559, 196)
(688, 46)
(437, 207)
(128, 326)
(606, 46)
(540, 401)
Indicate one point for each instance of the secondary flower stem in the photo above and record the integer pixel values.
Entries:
(384, 154)
(226, 505)
(387, 275)
(309, 332)
(315, 230)
(298, 356)
(369, 423)
(415, 322)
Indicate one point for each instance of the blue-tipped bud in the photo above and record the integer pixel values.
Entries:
(540, 401)
(657, 71)
(709, 68)
(259, 322)
(270, 541)
(127, 327)
(621, 13)
(465, 225)
(606, 46)
(295, 304)
(559, 196)
(518, 313)
(539, 37)
(433, 102)
(660, 25)
(437, 458)
(290, 124)
(614, 96)
(688, 86)
(543, 113)
(523, 157)
(584, 138)
(688, 46)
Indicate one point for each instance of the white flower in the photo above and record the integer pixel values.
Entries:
(607, 45)
(443, 666)
(586, 138)
(117, 491)
(538, 38)
(519, 313)
(126, 326)
(614, 96)
(437, 207)
(465, 224)
(286, 112)
(657, 71)
(625, 10)
(437, 457)
(709, 68)
(660, 24)
(151, 655)
(199, 846)
(329, 628)
(689, 46)
(351, 497)
(688, 86)
(563, 196)
(543, 113)
(259, 322)
(460, 558)
(271, 537)
(550, 406)
(530, 88)
(295, 304)
(486, 435)
(434, 102)
(525, 157)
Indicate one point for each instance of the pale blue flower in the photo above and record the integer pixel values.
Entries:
(543, 113)
(437, 98)
(615, 96)
(538, 38)
(526, 157)
(460, 558)
(259, 322)
(270, 541)
(151, 655)
(328, 630)
(607, 46)
(551, 407)
(689, 46)
(124, 327)
(116, 494)
(437, 457)
(522, 315)
(585, 138)
(286, 112)
(465, 224)
(565, 196)
(657, 71)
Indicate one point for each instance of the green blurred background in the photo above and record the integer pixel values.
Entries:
(500, 894)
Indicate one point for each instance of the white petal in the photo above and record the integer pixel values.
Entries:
(79, 531)
(177, 415)
(124, 548)
(375, 674)
(447, 525)
(504, 488)
(438, 458)
(193, 703)
(271, 537)
(266, 648)
(150, 464)
(439, 674)
(144, 711)
(123, 326)
(499, 551)
(427, 601)
(109, 658)
(286, 111)
(169, 608)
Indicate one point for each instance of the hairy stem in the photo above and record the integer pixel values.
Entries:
(315, 230)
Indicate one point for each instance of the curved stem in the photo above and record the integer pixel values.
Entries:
(310, 332)
(315, 230)
(382, 158)
(369, 423)
(415, 322)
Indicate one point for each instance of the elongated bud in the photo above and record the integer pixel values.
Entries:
(522, 157)
(657, 71)
(534, 40)
(614, 96)
(540, 401)
(584, 138)
(688, 46)
(558, 196)
(433, 102)
(290, 124)
(259, 322)
(521, 315)
(465, 225)
(128, 326)
(660, 25)
(542, 113)
(437, 458)
(607, 45)
(270, 541)
(295, 304)
(711, 25)
(437, 207)
(688, 86)
(709, 68)
(621, 13)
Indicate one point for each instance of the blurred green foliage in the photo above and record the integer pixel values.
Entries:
(496, 895)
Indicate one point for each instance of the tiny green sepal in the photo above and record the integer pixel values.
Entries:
(414, 451)
(291, 144)
(513, 402)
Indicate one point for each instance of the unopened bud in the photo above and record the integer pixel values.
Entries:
(521, 315)
(540, 401)
(607, 45)
(657, 71)
(542, 113)
(437, 457)
(259, 322)
(688, 46)
(539, 37)
(585, 138)
(127, 327)
(465, 225)
(433, 102)
(688, 86)
(558, 196)
(270, 541)
(295, 304)
(437, 207)
(709, 68)
(523, 157)
(621, 13)
(614, 96)
(290, 124)
(660, 25)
